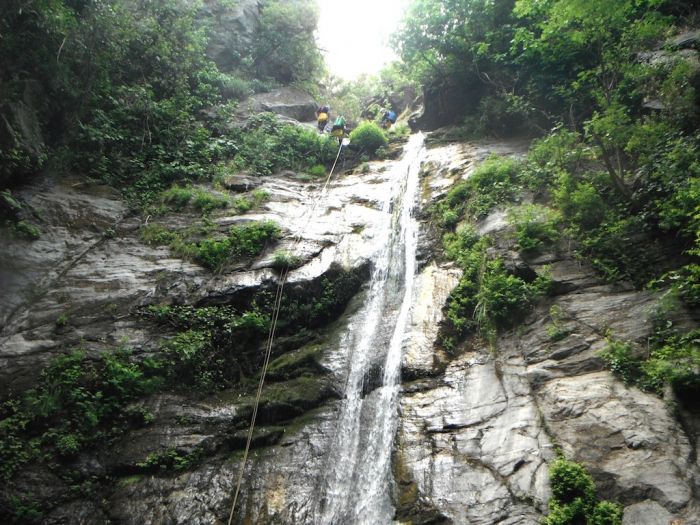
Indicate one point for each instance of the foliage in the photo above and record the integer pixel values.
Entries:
(26, 230)
(214, 252)
(285, 49)
(363, 97)
(177, 196)
(574, 500)
(319, 170)
(113, 90)
(487, 296)
(556, 331)
(283, 259)
(79, 402)
(535, 225)
(206, 202)
(171, 459)
(268, 146)
(368, 137)
(495, 181)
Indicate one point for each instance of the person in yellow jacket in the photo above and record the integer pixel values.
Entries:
(323, 115)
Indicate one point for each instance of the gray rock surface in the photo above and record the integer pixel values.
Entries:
(289, 102)
(478, 424)
(231, 27)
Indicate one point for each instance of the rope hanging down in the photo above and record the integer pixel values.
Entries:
(271, 338)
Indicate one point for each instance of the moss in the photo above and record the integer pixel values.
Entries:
(304, 361)
(130, 480)
(290, 399)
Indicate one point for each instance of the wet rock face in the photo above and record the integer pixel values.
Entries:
(288, 102)
(478, 426)
(478, 430)
(230, 28)
(92, 274)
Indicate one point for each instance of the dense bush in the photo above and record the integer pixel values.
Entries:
(535, 225)
(78, 403)
(574, 499)
(368, 137)
(268, 146)
(116, 88)
(487, 297)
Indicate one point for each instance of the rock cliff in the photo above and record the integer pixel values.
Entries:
(477, 426)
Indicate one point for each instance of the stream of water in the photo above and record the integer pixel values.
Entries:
(356, 485)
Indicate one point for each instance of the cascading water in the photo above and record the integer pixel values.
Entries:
(355, 487)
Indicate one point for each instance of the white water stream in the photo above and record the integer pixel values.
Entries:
(356, 485)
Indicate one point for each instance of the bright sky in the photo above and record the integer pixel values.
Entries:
(354, 34)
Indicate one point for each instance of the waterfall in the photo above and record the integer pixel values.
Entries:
(355, 486)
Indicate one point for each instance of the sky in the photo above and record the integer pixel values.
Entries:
(354, 34)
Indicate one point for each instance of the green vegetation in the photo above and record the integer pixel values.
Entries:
(495, 181)
(242, 242)
(674, 359)
(574, 499)
(26, 230)
(368, 137)
(283, 259)
(534, 225)
(362, 98)
(319, 170)
(170, 459)
(113, 90)
(556, 331)
(267, 146)
(488, 296)
(78, 403)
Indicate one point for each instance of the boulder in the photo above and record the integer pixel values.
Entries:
(231, 26)
(287, 101)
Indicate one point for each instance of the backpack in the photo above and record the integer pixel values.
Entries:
(339, 122)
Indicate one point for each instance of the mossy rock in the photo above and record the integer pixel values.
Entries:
(301, 362)
(290, 399)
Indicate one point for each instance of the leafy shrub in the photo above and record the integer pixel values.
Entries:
(675, 361)
(622, 361)
(606, 513)
(267, 146)
(206, 202)
(535, 225)
(570, 481)
(560, 151)
(368, 137)
(574, 500)
(171, 459)
(250, 240)
(242, 204)
(283, 259)
(211, 349)
(259, 196)
(556, 331)
(25, 230)
(580, 202)
(493, 182)
(212, 253)
(487, 296)
(233, 87)
(319, 170)
(78, 402)
(399, 131)
(572, 514)
(177, 196)
(157, 234)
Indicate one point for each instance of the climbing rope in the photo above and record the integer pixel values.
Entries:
(271, 337)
